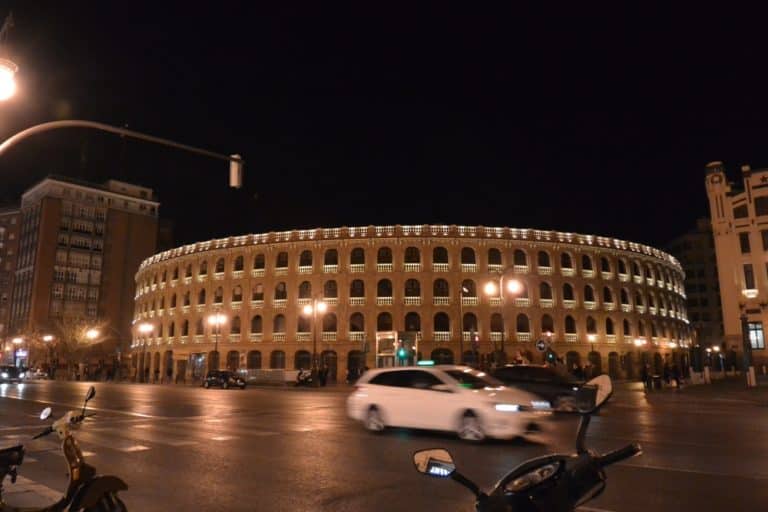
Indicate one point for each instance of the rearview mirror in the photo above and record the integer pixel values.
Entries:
(91, 393)
(597, 392)
(436, 462)
(46, 412)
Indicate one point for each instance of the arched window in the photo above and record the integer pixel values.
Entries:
(329, 322)
(185, 328)
(442, 322)
(303, 323)
(384, 288)
(175, 273)
(357, 322)
(622, 267)
(638, 299)
(199, 327)
(650, 273)
(467, 256)
(609, 327)
(331, 289)
(305, 259)
(278, 324)
(188, 298)
(384, 322)
(220, 265)
(258, 292)
(258, 262)
(545, 290)
(238, 263)
(640, 328)
(497, 323)
(331, 257)
(171, 330)
(203, 270)
(218, 296)
(636, 269)
(384, 255)
(200, 296)
(586, 262)
(441, 288)
(282, 260)
(589, 293)
(235, 327)
(237, 293)
(543, 259)
(412, 322)
(494, 256)
(566, 261)
(605, 265)
(412, 288)
(440, 255)
(173, 300)
(624, 296)
(520, 258)
(547, 324)
(651, 301)
(412, 255)
(627, 328)
(162, 302)
(469, 322)
(281, 292)
(591, 325)
(357, 288)
(570, 325)
(305, 290)
(523, 325)
(357, 256)
(277, 360)
(468, 288)
(607, 295)
(654, 332)
(568, 292)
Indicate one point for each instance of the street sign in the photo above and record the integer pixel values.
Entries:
(541, 346)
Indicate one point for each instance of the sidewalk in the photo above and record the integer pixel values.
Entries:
(730, 389)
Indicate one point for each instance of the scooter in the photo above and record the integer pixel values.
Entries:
(86, 491)
(552, 483)
(304, 378)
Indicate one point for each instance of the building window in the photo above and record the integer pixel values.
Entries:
(520, 258)
(305, 259)
(305, 290)
(761, 205)
(331, 257)
(744, 243)
(384, 255)
(282, 260)
(740, 212)
(468, 256)
(357, 288)
(586, 262)
(764, 236)
(330, 289)
(357, 256)
(412, 322)
(749, 277)
(440, 255)
(543, 259)
(412, 289)
(238, 263)
(357, 322)
(756, 336)
(412, 255)
(494, 257)
(258, 262)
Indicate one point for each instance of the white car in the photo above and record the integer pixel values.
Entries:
(450, 398)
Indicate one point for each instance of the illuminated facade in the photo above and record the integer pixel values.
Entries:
(611, 302)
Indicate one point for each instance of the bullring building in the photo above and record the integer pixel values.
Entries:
(609, 302)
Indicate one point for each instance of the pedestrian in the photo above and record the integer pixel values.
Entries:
(146, 374)
(157, 375)
(645, 377)
(667, 372)
(169, 374)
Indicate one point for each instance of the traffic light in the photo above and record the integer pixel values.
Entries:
(401, 352)
(551, 356)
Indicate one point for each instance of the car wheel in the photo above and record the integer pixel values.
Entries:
(225, 385)
(566, 403)
(373, 420)
(206, 384)
(470, 428)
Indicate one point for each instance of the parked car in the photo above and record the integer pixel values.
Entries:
(562, 390)
(449, 398)
(10, 374)
(36, 374)
(223, 379)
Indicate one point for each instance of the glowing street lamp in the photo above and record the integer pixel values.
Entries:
(18, 340)
(639, 342)
(7, 79)
(92, 334)
(317, 306)
(216, 320)
(48, 338)
(492, 289)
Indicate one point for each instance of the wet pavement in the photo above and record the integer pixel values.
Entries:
(181, 448)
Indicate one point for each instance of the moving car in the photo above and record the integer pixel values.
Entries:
(449, 398)
(10, 374)
(563, 391)
(223, 379)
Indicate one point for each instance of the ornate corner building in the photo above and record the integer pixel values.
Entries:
(613, 303)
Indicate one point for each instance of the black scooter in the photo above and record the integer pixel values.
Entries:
(552, 483)
(86, 491)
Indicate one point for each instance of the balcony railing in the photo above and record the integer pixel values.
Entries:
(174, 282)
(522, 302)
(234, 338)
(188, 280)
(546, 303)
(587, 273)
(383, 301)
(412, 267)
(609, 306)
(199, 338)
(357, 268)
(184, 339)
(305, 301)
(329, 336)
(624, 277)
(442, 335)
(640, 309)
(660, 283)
(590, 304)
(412, 301)
(523, 336)
(331, 301)
(571, 337)
(652, 310)
(545, 271)
(171, 311)
(256, 336)
(669, 286)
(497, 336)
(610, 338)
(383, 267)
(520, 269)
(237, 274)
(160, 312)
(606, 275)
(567, 271)
(357, 301)
(469, 267)
(303, 336)
(440, 267)
(305, 269)
(637, 279)
(257, 303)
(185, 309)
(279, 303)
(569, 303)
(649, 281)
(626, 308)
(330, 269)
(281, 271)
(470, 301)
(441, 301)
(663, 311)
(466, 336)
(494, 301)
(278, 336)
(257, 272)
(356, 336)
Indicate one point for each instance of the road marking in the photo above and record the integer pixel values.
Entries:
(134, 448)
(223, 438)
(90, 408)
(693, 471)
(25, 485)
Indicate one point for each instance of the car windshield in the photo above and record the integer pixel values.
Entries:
(473, 379)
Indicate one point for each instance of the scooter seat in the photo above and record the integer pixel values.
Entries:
(11, 456)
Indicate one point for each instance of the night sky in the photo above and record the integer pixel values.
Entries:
(373, 113)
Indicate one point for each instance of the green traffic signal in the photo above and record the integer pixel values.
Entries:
(401, 353)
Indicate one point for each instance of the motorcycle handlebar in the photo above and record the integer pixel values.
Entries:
(618, 455)
(44, 433)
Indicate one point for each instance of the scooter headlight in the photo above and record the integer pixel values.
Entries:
(4, 375)
(534, 477)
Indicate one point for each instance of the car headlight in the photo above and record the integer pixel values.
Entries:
(21, 375)
(4, 375)
(534, 477)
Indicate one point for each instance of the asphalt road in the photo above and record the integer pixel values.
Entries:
(182, 448)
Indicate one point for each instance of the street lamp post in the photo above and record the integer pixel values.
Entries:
(145, 328)
(216, 320)
(513, 287)
(318, 305)
(462, 290)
